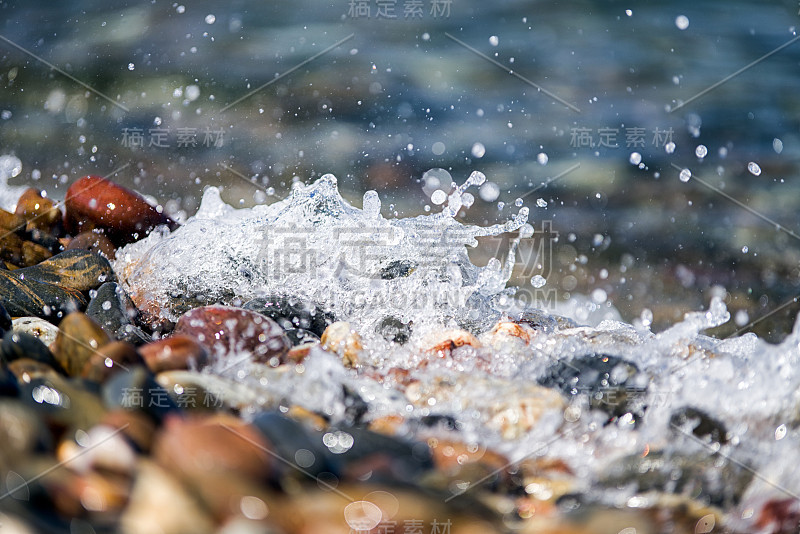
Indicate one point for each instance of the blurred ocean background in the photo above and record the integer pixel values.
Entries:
(610, 101)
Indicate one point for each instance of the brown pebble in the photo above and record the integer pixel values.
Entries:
(33, 253)
(340, 338)
(193, 447)
(78, 339)
(179, 351)
(110, 359)
(125, 216)
(225, 331)
(39, 212)
(442, 343)
(26, 369)
(135, 425)
(95, 242)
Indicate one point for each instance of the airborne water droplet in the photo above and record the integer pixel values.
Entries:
(754, 169)
(685, 175)
(701, 151)
(538, 281)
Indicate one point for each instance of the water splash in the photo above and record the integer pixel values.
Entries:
(315, 245)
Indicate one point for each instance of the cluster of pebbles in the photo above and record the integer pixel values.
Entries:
(112, 422)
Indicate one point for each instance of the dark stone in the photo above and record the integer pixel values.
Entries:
(397, 269)
(300, 336)
(113, 310)
(292, 313)
(54, 287)
(24, 296)
(706, 478)
(5, 320)
(289, 436)
(80, 270)
(355, 407)
(383, 458)
(18, 345)
(95, 242)
(611, 383)
(137, 390)
(8, 383)
(702, 425)
(62, 402)
(394, 330)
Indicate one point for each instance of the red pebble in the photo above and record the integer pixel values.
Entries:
(225, 331)
(125, 216)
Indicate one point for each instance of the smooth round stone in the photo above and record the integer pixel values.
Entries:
(611, 383)
(137, 390)
(6, 323)
(78, 339)
(178, 351)
(8, 383)
(292, 313)
(44, 331)
(394, 330)
(341, 339)
(113, 310)
(21, 345)
(699, 423)
(115, 357)
(25, 296)
(93, 242)
(194, 447)
(26, 369)
(225, 331)
(136, 426)
(72, 269)
(62, 402)
(125, 216)
(39, 212)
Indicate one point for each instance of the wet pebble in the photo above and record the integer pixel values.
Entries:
(39, 212)
(20, 345)
(225, 331)
(8, 383)
(78, 339)
(137, 390)
(341, 339)
(115, 312)
(394, 330)
(114, 357)
(93, 242)
(699, 423)
(125, 216)
(611, 383)
(178, 351)
(44, 331)
(292, 313)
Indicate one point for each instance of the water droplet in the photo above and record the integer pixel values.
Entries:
(599, 296)
(542, 158)
(192, 92)
(494, 40)
(754, 169)
(669, 148)
(180, 9)
(489, 192)
(780, 432)
(542, 203)
(685, 175)
(741, 318)
(646, 317)
(210, 19)
(478, 150)
(629, 12)
(477, 178)
(538, 281)
(131, 66)
(635, 158)
(777, 145)
(701, 151)
(438, 197)
(682, 22)
(438, 148)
